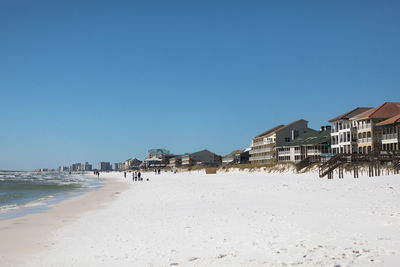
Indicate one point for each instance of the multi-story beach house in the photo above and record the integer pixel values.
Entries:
(175, 161)
(390, 134)
(203, 157)
(231, 157)
(344, 132)
(236, 157)
(262, 149)
(156, 158)
(369, 133)
(312, 144)
(132, 163)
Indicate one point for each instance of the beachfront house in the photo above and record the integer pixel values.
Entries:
(231, 157)
(156, 158)
(312, 144)
(390, 133)
(243, 157)
(263, 146)
(344, 132)
(236, 157)
(132, 163)
(175, 161)
(369, 133)
(203, 157)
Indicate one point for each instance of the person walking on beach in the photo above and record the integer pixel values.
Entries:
(159, 171)
(139, 174)
(98, 175)
(124, 174)
(133, 176)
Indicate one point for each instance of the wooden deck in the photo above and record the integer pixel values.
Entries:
(374, 160)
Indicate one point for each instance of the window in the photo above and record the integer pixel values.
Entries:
(287, 139)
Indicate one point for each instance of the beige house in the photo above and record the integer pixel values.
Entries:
(369, 134)
(262, 149)
(390, 134)
(203, 157)
(175, 161)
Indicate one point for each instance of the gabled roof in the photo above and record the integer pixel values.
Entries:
(234, 152)
(270, 131)
(311, 138)
(290, 124)
(392, 120)
(278, 128)
(204, 150)
(350, 114)
(384, 111)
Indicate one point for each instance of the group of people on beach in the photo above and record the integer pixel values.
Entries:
(157, 171)
(136, 176)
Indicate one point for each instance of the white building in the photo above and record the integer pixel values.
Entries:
(312, 144)
(344, 132)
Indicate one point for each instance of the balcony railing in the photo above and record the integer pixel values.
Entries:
(314, 151)
(258, 143)
(364, 126)
(260, 158)
(364, 140)
(389, 136)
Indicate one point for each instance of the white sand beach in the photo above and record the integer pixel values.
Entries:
(225, 219)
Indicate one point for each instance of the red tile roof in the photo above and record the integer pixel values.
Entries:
(392, 120)
(350, 114)
(384, 111)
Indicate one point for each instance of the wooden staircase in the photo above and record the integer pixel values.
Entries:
(374, 159)
(329, 166)
(304, 163)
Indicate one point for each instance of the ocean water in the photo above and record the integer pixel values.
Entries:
(26, 192)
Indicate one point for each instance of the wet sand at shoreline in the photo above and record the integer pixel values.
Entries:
(29, 234)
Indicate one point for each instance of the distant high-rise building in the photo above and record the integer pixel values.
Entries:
(104, 166)
(63, 168)
(76, 167)
(116, 166)
(86, 166)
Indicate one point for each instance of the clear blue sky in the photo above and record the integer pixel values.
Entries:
(107, 80)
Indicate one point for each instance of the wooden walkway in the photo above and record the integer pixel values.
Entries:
(374, 160)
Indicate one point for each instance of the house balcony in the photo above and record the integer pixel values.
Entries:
(389, 136)
(262, 150)
(314, 151)
(259, 143)
(283, 153)
(260, 158)
(364, 126)
(364, 140)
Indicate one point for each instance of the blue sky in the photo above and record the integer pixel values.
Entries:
(108, 80)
